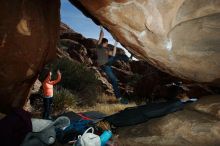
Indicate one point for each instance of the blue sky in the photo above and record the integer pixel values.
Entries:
(79, 23)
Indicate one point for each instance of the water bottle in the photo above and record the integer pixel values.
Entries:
(106, 135)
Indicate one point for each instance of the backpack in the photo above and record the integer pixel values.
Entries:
(88, 139)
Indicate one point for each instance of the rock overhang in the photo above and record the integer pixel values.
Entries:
(180, 37)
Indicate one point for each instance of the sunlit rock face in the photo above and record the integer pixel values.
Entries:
(181, 37)
(28, 36)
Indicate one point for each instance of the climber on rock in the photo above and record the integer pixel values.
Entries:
(105, 58)
(48, 93)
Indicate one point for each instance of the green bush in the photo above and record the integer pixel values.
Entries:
(78, 79)
(63, 99)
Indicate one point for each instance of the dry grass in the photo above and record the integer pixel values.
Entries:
(110, 109)
(105, 104)
(103, 107)
(104, 98)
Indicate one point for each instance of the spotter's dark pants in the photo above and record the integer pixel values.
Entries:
(47, 107)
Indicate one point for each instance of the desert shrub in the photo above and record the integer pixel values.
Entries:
(63, 99)
(78, 79)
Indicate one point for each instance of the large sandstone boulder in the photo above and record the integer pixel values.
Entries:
(28, 37)
(180, 37)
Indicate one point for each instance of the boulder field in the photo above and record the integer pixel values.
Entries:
(180, 37)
